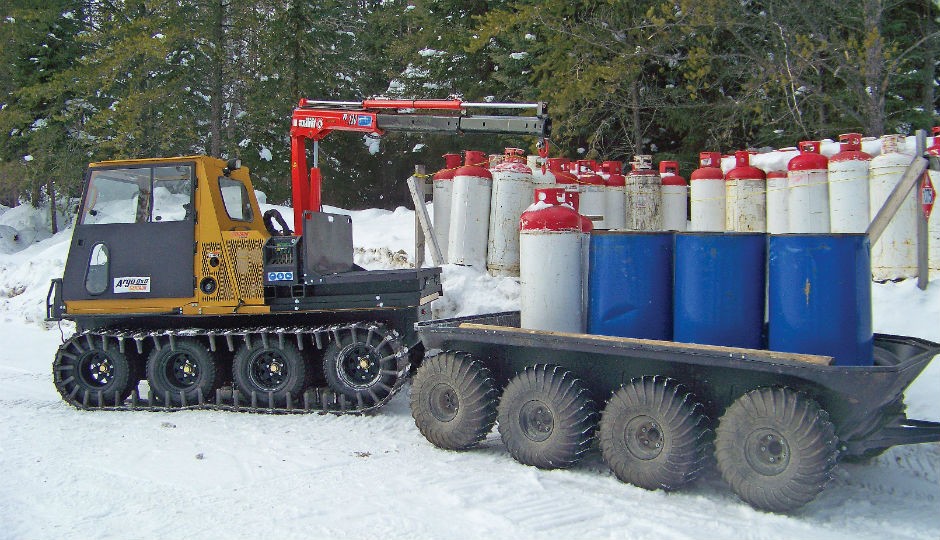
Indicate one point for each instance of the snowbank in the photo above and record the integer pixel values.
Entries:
(218, 474)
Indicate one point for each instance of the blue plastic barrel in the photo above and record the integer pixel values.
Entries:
(820, 296)
(719, 288)
(630, 284)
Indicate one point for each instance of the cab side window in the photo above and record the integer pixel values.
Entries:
(172, 193)
(236, 200)
(117, 196)
(139, 195)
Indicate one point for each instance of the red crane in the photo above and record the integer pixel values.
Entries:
(314, 120)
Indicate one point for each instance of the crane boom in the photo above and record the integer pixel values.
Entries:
(315, 119)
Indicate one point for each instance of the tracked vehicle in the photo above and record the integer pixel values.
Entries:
(175, 277)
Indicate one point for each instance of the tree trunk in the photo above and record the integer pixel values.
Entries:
(215, 92)
(930, 64)
(635, 118)
(50, 189)
(874, 98)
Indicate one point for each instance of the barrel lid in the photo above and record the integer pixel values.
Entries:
(451, 164)
(742, 169)
(709, 167)
(475, 164)
(809, 158)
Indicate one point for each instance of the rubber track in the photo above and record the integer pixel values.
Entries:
(320, 400)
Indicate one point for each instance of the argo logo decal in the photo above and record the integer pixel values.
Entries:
(138, 284)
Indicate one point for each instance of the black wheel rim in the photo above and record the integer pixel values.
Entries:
(443, 402)
(536, 420)
(767, 451)
(268, 370)
(643, 437)
(358, 366)
(95, 369)
(182, 370)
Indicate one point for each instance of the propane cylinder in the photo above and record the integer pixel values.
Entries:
(572, 197)
(550, 265)
(558, 167)
(442, 191)
(933, 224)
(540, 172)
(708, 194)
(675, 197)
(808, 190)
(644, 196)
(848, 186)
(494, 160)
(777, 219)
(615, 215)
(745, 196)
(512, 194)
(593, 193)
(470, 212)
(894, 255)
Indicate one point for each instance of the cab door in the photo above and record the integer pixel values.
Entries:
(134, 237)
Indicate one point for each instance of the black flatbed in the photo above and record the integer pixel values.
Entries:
(865, 403)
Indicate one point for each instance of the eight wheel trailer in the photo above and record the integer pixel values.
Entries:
(775, 422)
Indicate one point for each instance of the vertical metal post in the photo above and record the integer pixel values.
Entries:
(923, 238)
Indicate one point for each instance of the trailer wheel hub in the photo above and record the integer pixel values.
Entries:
(643, 437)
(443, 402)
(536, 420)
(767, 451)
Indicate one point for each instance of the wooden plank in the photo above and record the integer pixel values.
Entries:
(691, 347)
(418, 194)
(911, 177)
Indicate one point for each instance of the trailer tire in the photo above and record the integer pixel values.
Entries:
(453, 401)
(776, 448)
(183, 372)
(546, 417)
(267, 370)
(653, 434)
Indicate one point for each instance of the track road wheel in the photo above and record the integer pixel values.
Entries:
(361, 365)
(653, 434)
(183, 372)
(546, 417)
(270, 371)
(89, 375)
(453, 401)
(776, 448)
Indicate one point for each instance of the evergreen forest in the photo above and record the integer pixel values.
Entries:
(90, 80)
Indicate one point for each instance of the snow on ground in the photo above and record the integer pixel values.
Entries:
(74, 474)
